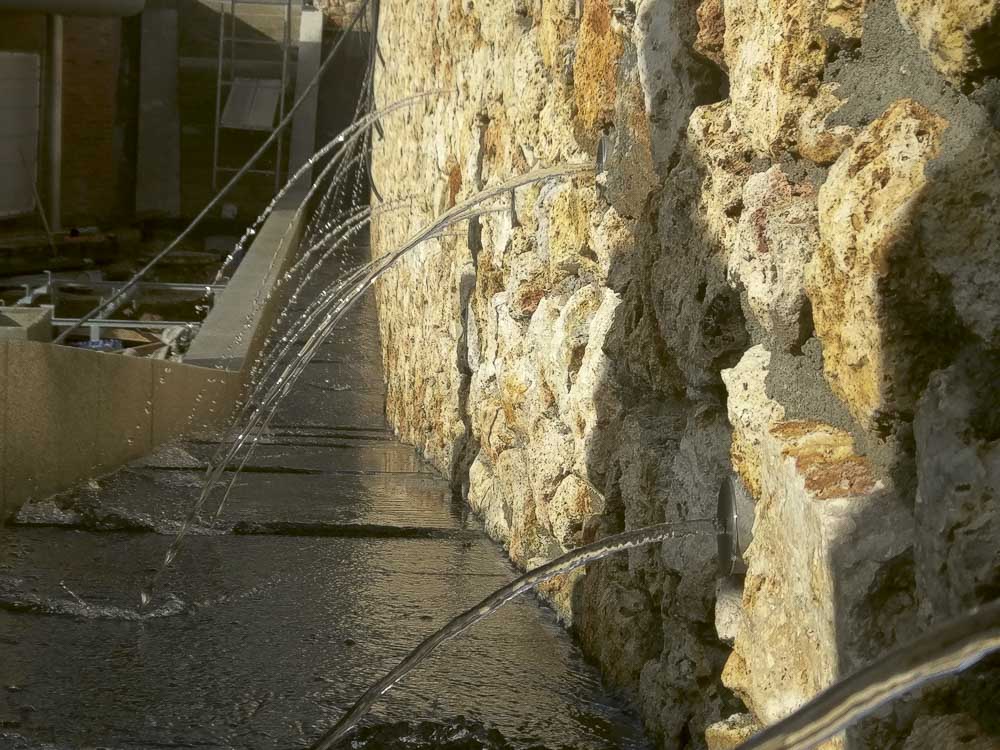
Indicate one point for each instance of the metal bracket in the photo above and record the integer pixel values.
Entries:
(735, 526)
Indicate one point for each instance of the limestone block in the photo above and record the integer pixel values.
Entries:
(960, 227)
(948, 732)
(867, 285)
(776, 53)
(551, 454)
(824, 526)
(564, 230)
(518, 505)
(598, 50)
(673, 77)
(845, 17)
(630, 175)
(558, 26)
(525, 275)
(711, 31)
(574, 501)
(698, 316)
(592, 403)
(612, 239)
(958, 497)
(561, 343)
(724, 155)
(777, 234)
(962, 37)
(486, 499)
(818, 140)
(730, 733)
(752, 413)
(728, 608)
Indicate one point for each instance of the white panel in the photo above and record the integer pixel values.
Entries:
(252, 104)
(20, 81)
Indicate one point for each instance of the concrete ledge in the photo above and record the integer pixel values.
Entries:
(229, 338)
(67, 414)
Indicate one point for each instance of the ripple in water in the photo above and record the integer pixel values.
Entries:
(457, 734)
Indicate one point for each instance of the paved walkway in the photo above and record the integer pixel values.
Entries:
(343, 550)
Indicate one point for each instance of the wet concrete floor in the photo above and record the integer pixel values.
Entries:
(338, 552)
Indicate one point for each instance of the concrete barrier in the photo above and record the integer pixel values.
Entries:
(68, 414)
(235, 329)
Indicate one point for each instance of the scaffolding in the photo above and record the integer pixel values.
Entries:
(251, 104)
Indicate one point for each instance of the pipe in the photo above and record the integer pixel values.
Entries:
(53, 93)
(735, 526)
(75, 7)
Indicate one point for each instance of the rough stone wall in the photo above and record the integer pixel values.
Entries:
(787, 269)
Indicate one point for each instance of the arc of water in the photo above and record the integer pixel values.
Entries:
(942, 652)
(228, 186)
(321, 303)
(560, 566)
(284, 382)
(252, 433)
(346, 137)
(458, 213)
(288, 377)
(213, 473)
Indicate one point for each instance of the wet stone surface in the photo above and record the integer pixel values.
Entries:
(338, 551)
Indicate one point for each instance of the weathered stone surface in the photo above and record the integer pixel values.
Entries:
(728, 609)
(777, 234)
(574, 373)
(961, 36)
(674, 78)
(595, 68)
(960, 228)
(871, 295)
(711, 31)
(949, 732)
(697, 313)
(823, 521)
(776, 53)
(818, 140)
(573, 503)
(958, 500)
(731, 733)
(752, 413)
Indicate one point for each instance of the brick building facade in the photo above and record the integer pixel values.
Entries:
(98, 103)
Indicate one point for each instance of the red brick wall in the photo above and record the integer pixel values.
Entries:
(91, 49)
(90, 170)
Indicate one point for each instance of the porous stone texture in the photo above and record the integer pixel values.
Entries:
(731, 733)
(948, 732)
(957, 432)
(791, 239)
(824, 526)
(961, 36)
(867, 280)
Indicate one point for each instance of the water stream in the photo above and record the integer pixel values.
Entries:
(560, 566)
(324, 317)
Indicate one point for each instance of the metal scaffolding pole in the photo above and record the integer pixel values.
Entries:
(53, 95)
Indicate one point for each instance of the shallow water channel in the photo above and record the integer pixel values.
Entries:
(337, 552)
